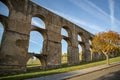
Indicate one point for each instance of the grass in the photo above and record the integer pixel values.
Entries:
(35, 72)
(33, 62)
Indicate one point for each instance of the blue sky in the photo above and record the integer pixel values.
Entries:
(92, 15)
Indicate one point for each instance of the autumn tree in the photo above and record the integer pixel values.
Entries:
(105, 42)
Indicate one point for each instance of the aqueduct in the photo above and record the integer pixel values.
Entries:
(17, 27)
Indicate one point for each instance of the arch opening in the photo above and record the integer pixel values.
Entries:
(35, 42)
(4, 10)
(90, 42)
(79, 38)
(64, 51)
(33, 62)
(80, 52)
(64, 32)
(68, 31)
(1, 32)
(38, 22)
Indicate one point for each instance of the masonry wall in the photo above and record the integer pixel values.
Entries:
(14, 47)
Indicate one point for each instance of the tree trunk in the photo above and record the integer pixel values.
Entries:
(107, 59)
(91, 56)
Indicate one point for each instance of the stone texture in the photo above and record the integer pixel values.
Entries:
(15, 41)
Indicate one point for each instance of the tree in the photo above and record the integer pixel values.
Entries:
(105, 42)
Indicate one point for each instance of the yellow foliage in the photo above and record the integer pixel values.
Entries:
(105, 41)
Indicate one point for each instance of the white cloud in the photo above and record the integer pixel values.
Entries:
(94, 10)
(35, 23)
(33, 41)
(38, 22)
(111, 8)
(80, 22)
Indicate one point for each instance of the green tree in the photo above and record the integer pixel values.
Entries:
(105, 42)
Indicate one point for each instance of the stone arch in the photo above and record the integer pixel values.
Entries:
(80, 35)
(82, 57)
(43, 19)
(40, 30)
(35, 42)
(1, 32)
(90, 48)
(66, 38)
(38, 22)
(68, 41)
(68, 31)
(80, 52)
(41, 57)
(64, 51)
(90, 40)
(64, 32)
(33, 62)
(5, 8)
(37, 28)
(79, 38)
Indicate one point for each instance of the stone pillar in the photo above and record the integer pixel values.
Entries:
(14, 45)
(86, 55)
(83, 53)
(73, 50)
(53, 47)
(13, 51)
(53, 53)
(73, 56)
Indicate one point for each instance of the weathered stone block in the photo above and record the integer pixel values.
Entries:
(53, 36)
(19, 27)
(73, 55)
(13, 45)
(54, 53)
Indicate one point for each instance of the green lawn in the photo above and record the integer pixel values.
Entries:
(37, 73)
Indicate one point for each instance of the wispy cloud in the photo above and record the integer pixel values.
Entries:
(36, 38)
(111, 7)
(38, 22)
(33, 41)
(115, 23)
(79, 22)
(35, 23)
(94, 10)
